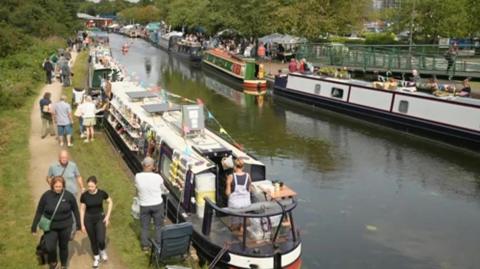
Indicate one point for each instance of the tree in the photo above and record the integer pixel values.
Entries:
(434, 18)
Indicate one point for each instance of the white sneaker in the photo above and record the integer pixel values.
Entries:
(82, 135)
(96, 261)
(86, 141)
(103, 255)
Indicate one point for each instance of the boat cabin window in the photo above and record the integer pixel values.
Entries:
(165, 162)
(257, 172)
(403, 106)
(337, 93)
(318, 87)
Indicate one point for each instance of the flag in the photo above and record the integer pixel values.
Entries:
(223, 131)
(210, 116)
(187, 151)
(186, 129)
(238, 146)
(200, 102)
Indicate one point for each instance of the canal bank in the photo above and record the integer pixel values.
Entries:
(369, 196)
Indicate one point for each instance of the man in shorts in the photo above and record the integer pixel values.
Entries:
(62, 117)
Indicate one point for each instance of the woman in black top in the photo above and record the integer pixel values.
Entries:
(94, 221)
(61, 225)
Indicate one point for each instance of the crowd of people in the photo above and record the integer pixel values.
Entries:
(60, 217)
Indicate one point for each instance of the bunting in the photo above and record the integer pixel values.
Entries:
(222, 131)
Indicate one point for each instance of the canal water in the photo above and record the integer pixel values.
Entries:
(369, 196)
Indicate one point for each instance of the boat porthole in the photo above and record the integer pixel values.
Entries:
(403, 106)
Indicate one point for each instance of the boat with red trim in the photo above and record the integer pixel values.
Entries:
(246, 70)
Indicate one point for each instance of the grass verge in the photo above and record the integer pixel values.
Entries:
(99, 158)
(21, 78)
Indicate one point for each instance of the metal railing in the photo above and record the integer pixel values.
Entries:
(425, 58)
(277, 208)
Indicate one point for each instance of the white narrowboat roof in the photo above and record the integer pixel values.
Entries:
(168, 128)
(362, 83)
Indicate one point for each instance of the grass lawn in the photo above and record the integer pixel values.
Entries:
(17, 245)
(22, 78)
(99, 158)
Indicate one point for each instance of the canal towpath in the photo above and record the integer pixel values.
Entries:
(43, 152)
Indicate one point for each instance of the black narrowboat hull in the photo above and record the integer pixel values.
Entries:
(206, 250)
(440, 132)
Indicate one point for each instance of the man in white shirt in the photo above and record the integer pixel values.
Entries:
(149, 190)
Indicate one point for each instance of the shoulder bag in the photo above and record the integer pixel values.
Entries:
(45, 222)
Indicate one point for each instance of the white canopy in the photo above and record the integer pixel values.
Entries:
(282, 39)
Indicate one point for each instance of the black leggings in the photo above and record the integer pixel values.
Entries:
(96, 231)
(62, 236)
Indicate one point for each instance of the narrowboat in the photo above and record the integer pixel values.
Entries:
(448, 118)
(167, 40)
(245, 70)
(187, 50)
(102, 66)
(192, 160)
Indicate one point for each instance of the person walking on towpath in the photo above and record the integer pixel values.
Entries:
(46, 115)
(58, 206)
(62, 116)
(94, 220)
(67, 169)
(48, 67)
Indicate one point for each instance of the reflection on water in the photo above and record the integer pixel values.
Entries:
(370, 197)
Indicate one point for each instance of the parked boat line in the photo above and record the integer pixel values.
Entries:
(452, 119)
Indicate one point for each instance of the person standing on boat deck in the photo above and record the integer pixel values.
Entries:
(48, 67)
(94, 220)
(149, 191)
(238, 191)
(61, 223)
(46, 115)
(62, 116)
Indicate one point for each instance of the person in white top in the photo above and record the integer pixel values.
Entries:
(150, 188)
(88, 111)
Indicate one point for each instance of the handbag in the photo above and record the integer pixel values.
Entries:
(44, 223)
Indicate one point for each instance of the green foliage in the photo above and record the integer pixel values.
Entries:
(140, 14)
(104, 7)
(41, 18)
(380, 38)
(437, 18)
(254, 18)
(345, 40)
(22, 72)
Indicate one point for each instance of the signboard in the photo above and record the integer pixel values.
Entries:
(444, 43)
(193, 118)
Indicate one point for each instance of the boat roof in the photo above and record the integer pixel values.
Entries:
(103, 52)
(168, 128)
(173, 33)
(362, 83)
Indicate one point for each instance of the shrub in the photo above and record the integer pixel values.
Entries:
(380, 39)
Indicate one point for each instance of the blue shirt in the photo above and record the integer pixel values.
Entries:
(70, 175)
